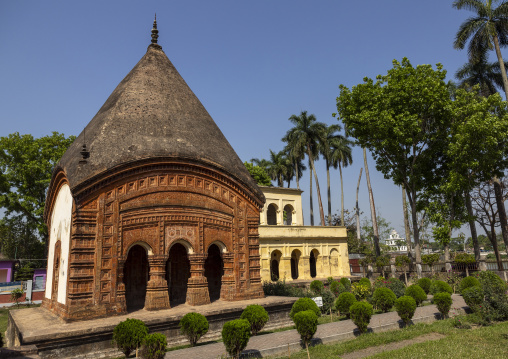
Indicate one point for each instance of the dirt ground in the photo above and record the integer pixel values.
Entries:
(392, 346)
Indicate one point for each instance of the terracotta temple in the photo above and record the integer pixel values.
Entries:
(150, 206)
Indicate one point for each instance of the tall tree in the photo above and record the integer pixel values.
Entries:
(407, 231)
(26, 165)
(295, 166)
(486, 30)
(373, 215)
(278, 167)
(306, 134)
(341, 156)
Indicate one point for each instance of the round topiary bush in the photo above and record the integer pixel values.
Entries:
(366, 281)
(473, 296)
(397, 287)
(317, 286)
(417, 293)
(193, 326)
(154, 346)
(443, 301)
(360, 290)
(129, 335)
(337, 288)
(384, 299)
(328, 301)
(304, 304)
(235, 336)
(343, 302)
(468, 282)
(425, 284)
(406, 307)
(439, 286)
(257, 317)
(306, 325)
(346, 283)
(361, 312)
(492, 284)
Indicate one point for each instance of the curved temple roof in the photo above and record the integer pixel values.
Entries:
(151, 113)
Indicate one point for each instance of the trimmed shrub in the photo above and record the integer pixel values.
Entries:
(417, 293)
(280, 288)
(443, 301)
(343, 302)
(235, 335)
(346, 283)
(468, 282)
(129, 335)
(492, 284)
(406, 307)
(473, 296)
(306, 325)
(328, 301)
(361, 312)
(193, 326)
(384, 299)
(337, 288)
(154, 346)
(317, 286)
(439, 286)
(303, 304)
(329, 280)
(425, 284)
(397, 287)
(257, 317)
(360, 290)
(380, 282)
(366, 281)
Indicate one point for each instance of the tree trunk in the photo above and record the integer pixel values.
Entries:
(310, 195)
(329, 193)
(406, 223)
(318, 192)
(297, 172)
(372, 207)
(416, 230)
(472, 226)
(357, 209)
(342, 197)
(493, 240)
(501, 65)
(501, 211)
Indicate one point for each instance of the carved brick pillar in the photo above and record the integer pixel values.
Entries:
(120, 288)
(197, 286)
(227, 290)
(157, 296)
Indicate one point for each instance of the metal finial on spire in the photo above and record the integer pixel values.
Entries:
(155, 32)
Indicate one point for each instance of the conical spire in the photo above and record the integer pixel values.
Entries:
(155, 33)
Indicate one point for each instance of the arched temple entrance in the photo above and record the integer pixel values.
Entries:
(177, 274)
(295, 261)
(214, 269)
(135, 278)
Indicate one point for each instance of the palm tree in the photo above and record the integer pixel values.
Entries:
(296, 164)
(480, 72)
(278, 167)
(305, 137)
(487, 30)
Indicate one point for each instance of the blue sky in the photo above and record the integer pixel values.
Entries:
(251, 63)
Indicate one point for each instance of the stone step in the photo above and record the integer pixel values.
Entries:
(25, 351)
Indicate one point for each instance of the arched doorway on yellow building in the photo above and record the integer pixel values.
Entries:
(271, 215)
(295, 261)
(288, 215)
(312, 262)
(274, 265)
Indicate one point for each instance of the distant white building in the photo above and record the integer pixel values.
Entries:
(393, 240)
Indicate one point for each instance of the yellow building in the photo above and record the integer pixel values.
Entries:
(291, 251)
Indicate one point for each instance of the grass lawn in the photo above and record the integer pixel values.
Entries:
(482, 342)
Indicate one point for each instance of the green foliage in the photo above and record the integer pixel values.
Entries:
(26, 165)
(329, 280)
(235, 336)
(259, 174)
(382, 261)
(344, 302)
(280, 288)
(406, 307)
(439, 286)
(366, 281)
(380, 282)
(337, 288)
(473, 296)
(193, 326)
(430, 259)
(317, 286)
(425, 284)
(306, 325)
(443, 301)
(303, 304)
(492, 284)
(360, 290)
(417, 293)
(25, 273)
(464, 258)
(397, 287)
(328, 301)
(361, 312)
(402, 262)
(468, 282)
(16, 294)
(257, 317)
(154, 346)
(129, 335)
(384, 299)
(346, 283)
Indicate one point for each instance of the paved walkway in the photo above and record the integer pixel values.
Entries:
(280, 342)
